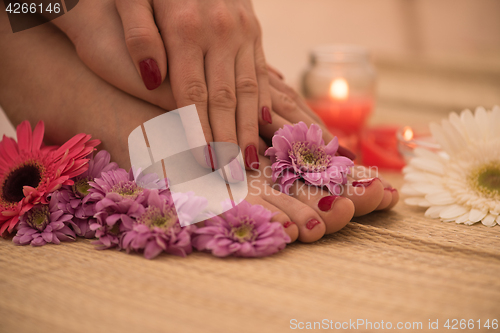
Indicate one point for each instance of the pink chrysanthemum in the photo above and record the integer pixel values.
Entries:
(44, 224)
(29, 172)
(243, 231)
(157, 229)
(76, 200)
(117, 194)
(299, 152)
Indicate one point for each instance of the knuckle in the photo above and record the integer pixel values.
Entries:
(138, 37)
(248, 126)
(246, 20)
(247, 85)
(292, 93)
(187, 24)
(226, 136)
(287, 105)
(196, 91)
(224, 97)
(222, 22)
(261, 69)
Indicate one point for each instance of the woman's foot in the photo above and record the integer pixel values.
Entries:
(110, 115)
(310, 212)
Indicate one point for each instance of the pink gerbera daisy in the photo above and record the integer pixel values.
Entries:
(243, 231)
(299, 152)
(29, 171)
(157, 228)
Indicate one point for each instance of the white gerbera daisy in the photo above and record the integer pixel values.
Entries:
(463, 183)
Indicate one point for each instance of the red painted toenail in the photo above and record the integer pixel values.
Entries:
(326, 203)
(363, 182)
(312, 223)
(287, 224)
(390, 189)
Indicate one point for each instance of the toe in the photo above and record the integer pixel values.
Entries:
(394, 199)
(290, 227)
(310, 225)
(336, 212)
(386, 200)
(366, 195)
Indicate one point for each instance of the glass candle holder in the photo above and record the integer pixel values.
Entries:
(339, 86)
(411, 137)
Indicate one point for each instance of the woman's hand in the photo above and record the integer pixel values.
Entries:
(95, 30)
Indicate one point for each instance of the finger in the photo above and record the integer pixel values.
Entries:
(220, 76)
(143, 41)
(108, 43)
(287, 108)
(262, 147)
(289, 104)
(265, 103)
(268, 131)
(247, 118)
(281, 86)
(186, 72)
(271, 69)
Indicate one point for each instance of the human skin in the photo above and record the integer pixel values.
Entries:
(212, 48)
(41, 69)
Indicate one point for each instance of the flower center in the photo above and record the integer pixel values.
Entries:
(309, 157)
(25, 175)
(81, 187)
(486, 180)
(38, 217)
(154, 217)
(127, 189)
(244, 232)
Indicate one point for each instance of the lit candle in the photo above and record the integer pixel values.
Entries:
(342, 111)
(379, 147)
(339, 89)
(410, 138)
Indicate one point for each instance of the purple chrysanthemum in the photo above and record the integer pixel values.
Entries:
(243, 231)
(117, 194)
(44, 224)
(157, 228)
(76, 200)
(299, 152)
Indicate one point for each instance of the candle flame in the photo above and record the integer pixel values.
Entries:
(339, 89)
(408, 134)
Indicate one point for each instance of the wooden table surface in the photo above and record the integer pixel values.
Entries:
(396, 267)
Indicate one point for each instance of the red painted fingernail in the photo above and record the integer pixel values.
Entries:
(343, 151)
(150, 73)
(287, 224)
(363, 182)
(326, 203)
(251, 157)
(312, 223)
(266, 115)
(390, 189)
